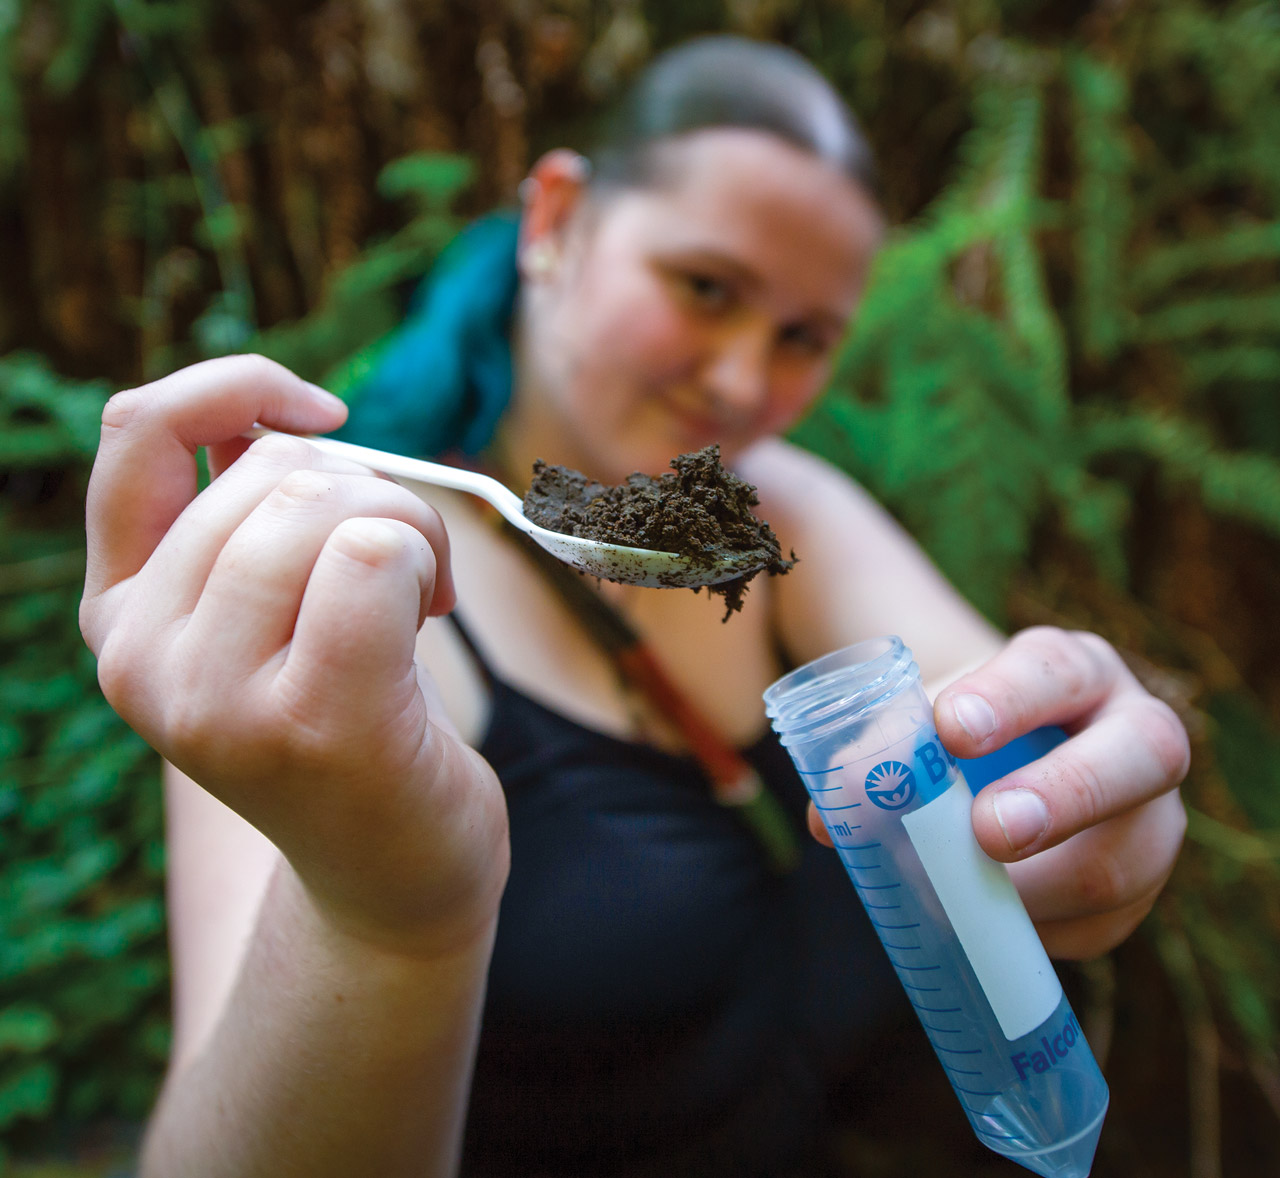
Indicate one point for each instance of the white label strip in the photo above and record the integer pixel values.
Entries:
(986, 912)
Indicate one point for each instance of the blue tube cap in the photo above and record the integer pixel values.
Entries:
(1022, 750)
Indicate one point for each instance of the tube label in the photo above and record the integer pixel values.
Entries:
(986, 912)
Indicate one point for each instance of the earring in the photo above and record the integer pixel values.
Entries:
(539, 260)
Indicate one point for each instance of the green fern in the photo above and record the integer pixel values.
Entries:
(83, 24)
(1238, 364)
(331, 345)
(13, 137)
(1238, 485)
(1168, 266)
(1102, 203)
(1084, 310)
(1224, 315)
(949, 414)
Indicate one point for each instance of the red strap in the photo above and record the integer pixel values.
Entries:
(728, 770)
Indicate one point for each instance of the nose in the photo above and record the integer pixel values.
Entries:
(736, 374)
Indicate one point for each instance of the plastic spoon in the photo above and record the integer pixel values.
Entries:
(614, 562)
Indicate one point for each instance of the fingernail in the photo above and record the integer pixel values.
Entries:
(373, 541)
(1022, 815)
(975, 715)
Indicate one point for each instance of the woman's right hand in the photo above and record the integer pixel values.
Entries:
(260, 635)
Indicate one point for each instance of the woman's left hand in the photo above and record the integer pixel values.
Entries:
(1090, 830)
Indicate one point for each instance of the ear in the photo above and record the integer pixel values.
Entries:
(550, 193)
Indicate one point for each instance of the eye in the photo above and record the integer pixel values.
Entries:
(704, 290)
(805, 339)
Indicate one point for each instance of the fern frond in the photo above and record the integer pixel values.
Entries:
(999, 154)
(1028, 310)
(431, 179)
(1241, 484)
(1037, 327)
(1242, 364)
(1096, 513)
(84, 23)
(1102, 202)
(1233, 49)
(1167, 265)
(46, 419)
(362, 303)
(1231, 314)
(13, 136)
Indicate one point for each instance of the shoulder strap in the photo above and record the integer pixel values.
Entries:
(470, 643)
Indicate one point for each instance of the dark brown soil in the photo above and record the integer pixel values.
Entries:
(697, 509)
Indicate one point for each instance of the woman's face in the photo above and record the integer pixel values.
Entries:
(704, 308)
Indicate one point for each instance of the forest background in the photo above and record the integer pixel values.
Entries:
(1063, 380)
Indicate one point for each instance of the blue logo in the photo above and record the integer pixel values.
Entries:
(891, 785)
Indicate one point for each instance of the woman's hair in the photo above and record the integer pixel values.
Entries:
(727, 81)
(443, 378)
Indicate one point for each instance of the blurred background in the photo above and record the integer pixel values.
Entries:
(1063, 380)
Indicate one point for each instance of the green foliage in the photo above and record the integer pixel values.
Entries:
(957, 417)
(1102, 199)
(1239, 485)
(12, 131)
(1047, 357)
(83, 966)
(1061, 378)
(45, 420)
(82, 955)
(1249, 757)
(332, 345)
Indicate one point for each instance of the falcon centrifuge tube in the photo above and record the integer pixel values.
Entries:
(860, 730)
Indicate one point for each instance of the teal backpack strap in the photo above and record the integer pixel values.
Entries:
(442, 379)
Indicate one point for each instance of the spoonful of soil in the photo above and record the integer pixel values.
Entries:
(698, 511)
(602, 530)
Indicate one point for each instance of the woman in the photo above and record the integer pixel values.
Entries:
(662, 998)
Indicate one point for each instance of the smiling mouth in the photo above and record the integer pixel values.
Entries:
(699, 425)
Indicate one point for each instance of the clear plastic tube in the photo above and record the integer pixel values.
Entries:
(860, 730)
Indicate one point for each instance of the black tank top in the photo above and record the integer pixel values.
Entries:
(659, 1002)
